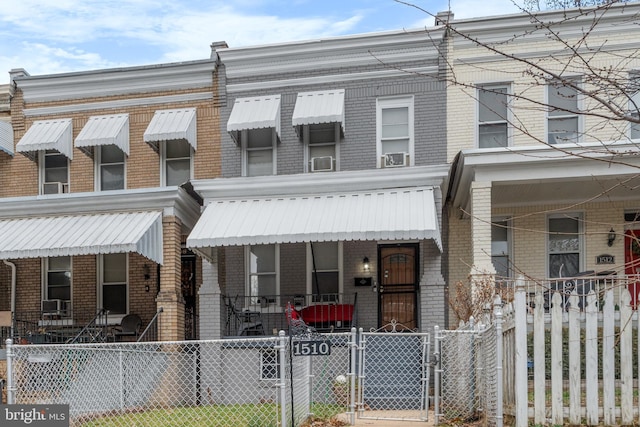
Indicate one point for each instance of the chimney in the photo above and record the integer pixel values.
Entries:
(444, 17)
(217, 45)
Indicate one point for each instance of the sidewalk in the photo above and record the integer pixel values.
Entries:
(380, 422)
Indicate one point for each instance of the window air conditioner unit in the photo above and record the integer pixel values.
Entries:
(56, 187)
(56, 307)
(321, 164)
(393, 160)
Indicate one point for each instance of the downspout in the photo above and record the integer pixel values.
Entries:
(13, 291)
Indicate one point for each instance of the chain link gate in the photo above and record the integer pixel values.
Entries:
(393, 374)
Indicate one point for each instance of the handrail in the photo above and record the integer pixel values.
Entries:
(153, 322)
(90, 329)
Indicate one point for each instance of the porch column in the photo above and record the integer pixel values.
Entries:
(171, 321)
(480, 234)
(433, 301)
(210, 300)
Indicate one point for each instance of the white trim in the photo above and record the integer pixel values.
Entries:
(97, 156)
(112, 318)
(247, 271)
(309, 268)
(118, 104)
(507, 120)
(582, 256)
(579, 105)
(163, 161)
(244, 140)
(395, 102)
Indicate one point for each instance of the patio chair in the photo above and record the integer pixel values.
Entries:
(247, 322)
(129, 327)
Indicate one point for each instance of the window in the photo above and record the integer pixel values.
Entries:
(263, 282)
(395, 132)
(563, 119)
(54, 172)
(110, 164)
(113, 283)
(258, 149)
(176, 162)
(324, 262)
(565, 245)
(501, 247)
(321, 143)
(634, 106)
(492, 117)
(57, 287)
(269, 365)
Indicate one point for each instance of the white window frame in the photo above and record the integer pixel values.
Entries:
(97, 154)
(244, 142)
(395, 102)
(310, 271)
(579, 216)
(42, 172)
(634, 110)
(306, 129)
(112, 318)
(163, 160)
(274, 364)
(45, 279)
(248, 274)
(579, 117)
(488, 87)
(509, 254)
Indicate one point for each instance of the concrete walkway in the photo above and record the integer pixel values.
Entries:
(381, 422)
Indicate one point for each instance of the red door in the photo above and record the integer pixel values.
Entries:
(632, 263)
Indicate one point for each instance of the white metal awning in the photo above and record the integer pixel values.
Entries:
(169, 125)
(6, 137)
(64, 235)
(56, 134)
(319, 107)
(254, 113)
(400, 214)
(105, 130)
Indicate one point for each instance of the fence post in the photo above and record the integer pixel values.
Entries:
(283, 378)
(522, 400)
(497, 313)
(436, 375)
(353, 375)
(11, 398)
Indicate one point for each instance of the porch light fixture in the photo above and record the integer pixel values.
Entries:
(365, 264)
(611, 237)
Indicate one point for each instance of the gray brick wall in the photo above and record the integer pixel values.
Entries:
(358, 147)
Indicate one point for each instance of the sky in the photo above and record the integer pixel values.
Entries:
(60, 36)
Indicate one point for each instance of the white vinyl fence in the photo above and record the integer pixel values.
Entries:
(578, 358)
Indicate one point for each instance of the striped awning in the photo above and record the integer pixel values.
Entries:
(171, 125)
(401, 214)
(6, 137)
(254, 113)
(105, 130)
(319, 107)
(55, 134)
(65, 235)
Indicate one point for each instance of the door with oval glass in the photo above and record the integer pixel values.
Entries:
(397, 278)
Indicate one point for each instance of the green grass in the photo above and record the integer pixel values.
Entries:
(262, 415)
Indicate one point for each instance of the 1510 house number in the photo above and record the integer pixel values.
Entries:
(311, 348)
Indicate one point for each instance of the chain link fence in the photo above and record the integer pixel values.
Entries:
(468, 375)
(394, 376)
(257, 381)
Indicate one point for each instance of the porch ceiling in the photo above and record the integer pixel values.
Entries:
(586, 190)
(401, 214)
(50, 236)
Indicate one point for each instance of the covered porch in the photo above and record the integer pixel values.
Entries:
(545, 212)
(317, 244)
(88, 263)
